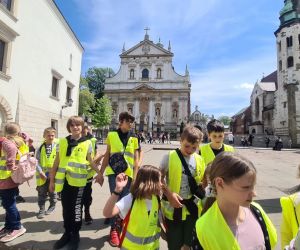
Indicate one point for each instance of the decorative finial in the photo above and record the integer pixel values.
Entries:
(196, 107)
(159, 43)
(123, 50)
(146, 35)
(186, 70)
(169, 47)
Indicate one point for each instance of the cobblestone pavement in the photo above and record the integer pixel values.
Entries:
(277, 170)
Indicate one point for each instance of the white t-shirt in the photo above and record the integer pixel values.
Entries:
(125, 204)
(184, 187)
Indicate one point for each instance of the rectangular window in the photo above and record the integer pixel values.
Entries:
(54, 90)
(54, 124)
(279, 46)
(6, 4)
(69, 94)
(2, 51)
(289, 41)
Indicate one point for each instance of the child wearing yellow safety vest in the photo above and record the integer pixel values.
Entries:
(179, 206)
(140, 209)
(69, 176)
(10, 145)
(230, 219)
(45, 155)
(123, 146)
(209, 151)
(290, 215)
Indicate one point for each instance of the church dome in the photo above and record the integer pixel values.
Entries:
(289, 12)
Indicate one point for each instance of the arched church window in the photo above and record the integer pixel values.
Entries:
(145, 74)
(290, 61)
(289, 41)
(131, 75)
(158, 73)
(256, 107)
(280, 65)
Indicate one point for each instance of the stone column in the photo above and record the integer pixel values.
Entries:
(151, 115)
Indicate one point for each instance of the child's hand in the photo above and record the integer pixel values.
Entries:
(174, 200)
(99, 179)
(43, 176)
(121, 182)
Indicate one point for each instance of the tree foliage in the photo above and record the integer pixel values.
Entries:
(86, 98)
(102, 112)
(95, 78)
(225, 119)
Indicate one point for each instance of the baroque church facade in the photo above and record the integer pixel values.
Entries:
(148, 87)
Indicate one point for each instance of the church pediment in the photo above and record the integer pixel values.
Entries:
(143, 87)
(146, 48)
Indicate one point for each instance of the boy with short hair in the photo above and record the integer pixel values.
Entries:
(45, 155)
(69, 176)
(215, 129)
(120, 142)
(179, 207)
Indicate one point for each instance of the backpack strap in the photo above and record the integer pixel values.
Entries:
(125, 224)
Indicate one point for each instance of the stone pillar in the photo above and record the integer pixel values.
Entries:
(136, 108)
(151, 114)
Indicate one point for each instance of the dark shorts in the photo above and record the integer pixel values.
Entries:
(180, 233)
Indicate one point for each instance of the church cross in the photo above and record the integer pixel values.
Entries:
(146, 29)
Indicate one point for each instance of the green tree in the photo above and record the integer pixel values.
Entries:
(86, 98)
(102, 112)
(225, 119)
(95, 78)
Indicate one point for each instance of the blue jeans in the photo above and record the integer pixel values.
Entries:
(112, 186)
(12, 218)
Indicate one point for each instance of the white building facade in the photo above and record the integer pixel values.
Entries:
(40, 65)
(287, 96)
(147, 86)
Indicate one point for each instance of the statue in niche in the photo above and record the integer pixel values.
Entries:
(155, 119)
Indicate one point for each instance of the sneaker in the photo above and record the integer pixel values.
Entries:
(50, 210)
(4, 231)
(114, 239)
(19, 199)
(74, 241)
(41, 214)
(64, 240)
(12, 234)
(88, 218)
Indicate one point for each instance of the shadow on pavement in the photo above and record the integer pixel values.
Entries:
(270, 205)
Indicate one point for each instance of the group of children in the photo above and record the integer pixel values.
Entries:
(202, 196)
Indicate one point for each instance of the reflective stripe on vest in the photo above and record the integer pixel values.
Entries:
(143, 231)
(46, 163)
(213, 232)
(208, 154)
(73, 167)
(174, 181)
(116, 146)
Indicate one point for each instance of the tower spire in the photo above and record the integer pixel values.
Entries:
(123, 50)
(186, 70)
(169, 47)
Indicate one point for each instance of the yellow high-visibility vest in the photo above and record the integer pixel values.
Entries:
(290, 218)
(208, 154)
(116, 146)
(92, 172)
(73, 167)
(46, 163)
(213, 232)
(175, 173)
(4, 171)
(143, 231)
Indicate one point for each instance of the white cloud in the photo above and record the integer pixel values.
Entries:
(245, 86)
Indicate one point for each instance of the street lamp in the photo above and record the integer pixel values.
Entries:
(67, 104)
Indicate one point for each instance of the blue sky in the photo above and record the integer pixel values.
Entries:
(227, 45)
